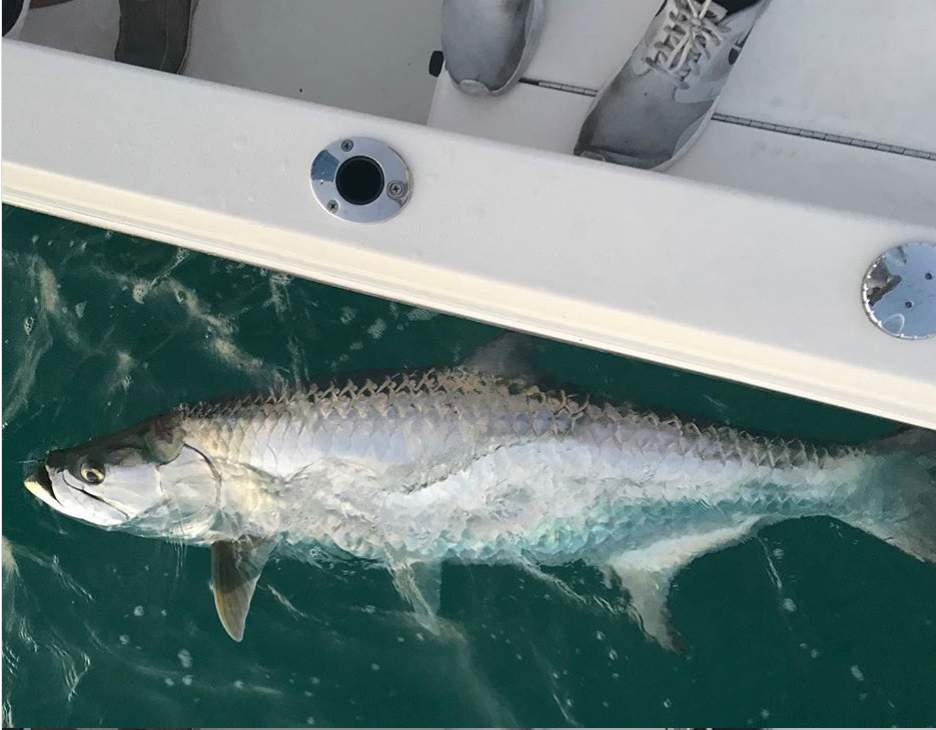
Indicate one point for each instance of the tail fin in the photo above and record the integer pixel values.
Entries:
(902, 509)
(919, 442)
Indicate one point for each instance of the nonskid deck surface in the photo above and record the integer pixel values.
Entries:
(355, 54)
(831, 103)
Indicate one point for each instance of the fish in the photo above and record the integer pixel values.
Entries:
(475, 463)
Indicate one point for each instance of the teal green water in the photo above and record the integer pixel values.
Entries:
(809, 623)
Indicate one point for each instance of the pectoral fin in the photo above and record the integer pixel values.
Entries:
(647, 573)
(235, 570)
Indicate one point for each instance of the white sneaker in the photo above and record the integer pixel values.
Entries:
(14, 17)
(658, 104)
(488, 44)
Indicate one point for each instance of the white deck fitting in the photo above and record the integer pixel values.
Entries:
(843, 67)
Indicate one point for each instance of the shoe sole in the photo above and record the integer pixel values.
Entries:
(14, 32)
(690, 143)
(531, 36)
(680, 153)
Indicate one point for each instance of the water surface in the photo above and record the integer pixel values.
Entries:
(809, 623)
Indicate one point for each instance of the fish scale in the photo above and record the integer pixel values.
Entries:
(441, 399)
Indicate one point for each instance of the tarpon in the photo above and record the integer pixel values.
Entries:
(478, 464)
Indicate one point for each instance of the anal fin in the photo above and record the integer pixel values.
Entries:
(420, 584)
(235, 569)
(647, 573)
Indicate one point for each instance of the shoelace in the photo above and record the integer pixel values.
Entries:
(690, 28)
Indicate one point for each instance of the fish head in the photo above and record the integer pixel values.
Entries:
(115, 480)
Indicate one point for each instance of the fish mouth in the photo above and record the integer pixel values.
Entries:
(75, 501)
(40, 486)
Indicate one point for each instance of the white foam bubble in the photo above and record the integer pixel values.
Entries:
(125, 363)
(139, 292)
(189, 300)
(421, 315)
(233, 355)
(279, 296)
(9, 561)
(377, 328)
(285, 602)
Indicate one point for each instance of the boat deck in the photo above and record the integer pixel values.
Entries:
(824, 108)
(744, 260)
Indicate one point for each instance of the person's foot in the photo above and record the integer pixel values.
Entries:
(659, 103)
(487, 44)
(155, 33)
(14, 14)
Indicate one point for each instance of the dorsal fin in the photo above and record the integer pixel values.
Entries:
(235, 569)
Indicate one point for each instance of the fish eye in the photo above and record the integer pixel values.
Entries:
(91, 473)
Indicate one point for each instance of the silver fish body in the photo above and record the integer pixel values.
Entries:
(417, 468)
(454, 463)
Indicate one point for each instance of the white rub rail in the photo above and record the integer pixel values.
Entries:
(749, 288)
